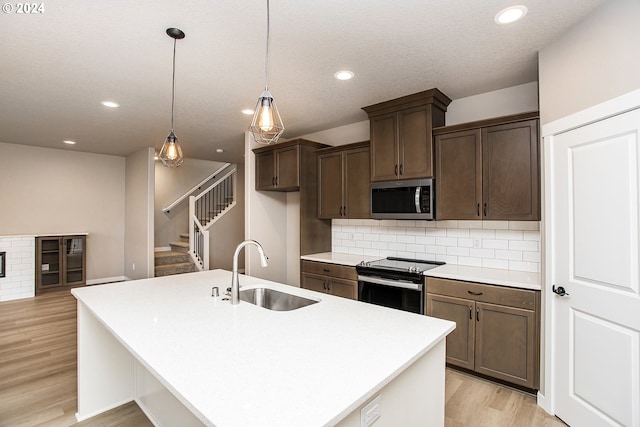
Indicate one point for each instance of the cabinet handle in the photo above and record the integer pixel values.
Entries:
(276, 181)
(401, 169)
(470, 313)
(395, 170)
(328, 284)
(273, 181)
(484, 210)
(326, 270)
(475, 293)
(478, 209)
(324, 283)
(344, 211)
(477, 314)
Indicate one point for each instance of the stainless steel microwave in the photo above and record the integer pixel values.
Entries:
(408, 199)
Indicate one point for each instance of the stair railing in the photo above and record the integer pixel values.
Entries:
(195, 188)
(205, 209)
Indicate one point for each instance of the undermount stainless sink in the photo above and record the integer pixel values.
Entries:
(274, 300)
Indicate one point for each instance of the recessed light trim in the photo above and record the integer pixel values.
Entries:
(110, 104)
(69, 142)
(247, 111)
(344, 75)
(510, 14)
(219, 150)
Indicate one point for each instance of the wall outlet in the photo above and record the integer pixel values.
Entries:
(476, 242)
(370, 413)
(133, 266)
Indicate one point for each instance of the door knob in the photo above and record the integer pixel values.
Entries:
(559, 290)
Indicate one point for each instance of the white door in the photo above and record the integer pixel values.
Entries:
(594, 223)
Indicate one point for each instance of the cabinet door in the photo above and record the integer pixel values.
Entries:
(314, 282)
(384, 147)
(287, 176)
(460, 342)
(416, 145)
(265, 171)
(343, 288)
(74, 260)
(505, 344)
(459, 175)
(357, 193)
(330, 201)
(49, 266)
(510, 171)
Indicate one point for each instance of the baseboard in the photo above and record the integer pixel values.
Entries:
(162, 249)
(107, 280)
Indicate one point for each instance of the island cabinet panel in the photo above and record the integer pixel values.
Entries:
(497, 332)
(343, 182)
(489, 169)
(60, 262)
(401, 135)
(330, 279)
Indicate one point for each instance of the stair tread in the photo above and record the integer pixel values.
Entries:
(178, 264)
(167, 254)
(180, 244)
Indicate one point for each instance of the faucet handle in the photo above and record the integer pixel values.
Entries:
(228, 292)
(215, 292)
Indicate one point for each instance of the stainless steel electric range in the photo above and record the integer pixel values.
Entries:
(394, 282)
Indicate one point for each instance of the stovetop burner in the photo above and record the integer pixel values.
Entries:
(405, 265)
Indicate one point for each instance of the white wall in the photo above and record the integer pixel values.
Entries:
(47, 191)
(266, 222)
(139, 178)
(512, 100)
(503, 102)
(594, 61)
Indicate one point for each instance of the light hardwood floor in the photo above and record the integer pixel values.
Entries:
(38, 377)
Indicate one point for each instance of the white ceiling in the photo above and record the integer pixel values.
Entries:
(57, 66)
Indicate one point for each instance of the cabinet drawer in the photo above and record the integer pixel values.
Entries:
(520, 298)
(328, 269)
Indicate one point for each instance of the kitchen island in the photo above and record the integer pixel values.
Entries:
(188, 358)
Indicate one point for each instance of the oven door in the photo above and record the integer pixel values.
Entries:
(394, 293)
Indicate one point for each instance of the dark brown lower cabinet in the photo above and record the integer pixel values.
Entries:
(330, 279)
(497, 328)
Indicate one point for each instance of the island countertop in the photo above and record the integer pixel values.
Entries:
(245, 365)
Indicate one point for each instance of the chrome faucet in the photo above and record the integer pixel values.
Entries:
(235, 283)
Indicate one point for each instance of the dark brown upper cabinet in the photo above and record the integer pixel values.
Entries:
(489, 169)
(343, 182)
(278, 165)
(401, 135)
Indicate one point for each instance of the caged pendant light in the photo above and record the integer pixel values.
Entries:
(171, 153)
(266, 126)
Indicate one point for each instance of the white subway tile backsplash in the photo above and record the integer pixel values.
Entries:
(19, 280)
(513, 245)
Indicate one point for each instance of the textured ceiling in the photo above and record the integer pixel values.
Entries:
(57, 66)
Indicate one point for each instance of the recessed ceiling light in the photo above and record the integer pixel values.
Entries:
(510, 14)
(219, 150)
(69, 142)
(110, 104)
(344, 75)
(247, 112)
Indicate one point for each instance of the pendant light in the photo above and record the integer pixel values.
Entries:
(266, 126)
(171, 153)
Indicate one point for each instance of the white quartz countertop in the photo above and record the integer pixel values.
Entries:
(245, 365)
(339, 258)
(492, 276)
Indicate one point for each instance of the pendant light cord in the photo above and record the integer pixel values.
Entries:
(173, 81)
(266, 57)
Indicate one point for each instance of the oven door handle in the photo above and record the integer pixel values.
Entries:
(392, 283)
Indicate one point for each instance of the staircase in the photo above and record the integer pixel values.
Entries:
(175, 261)
(191, 253)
